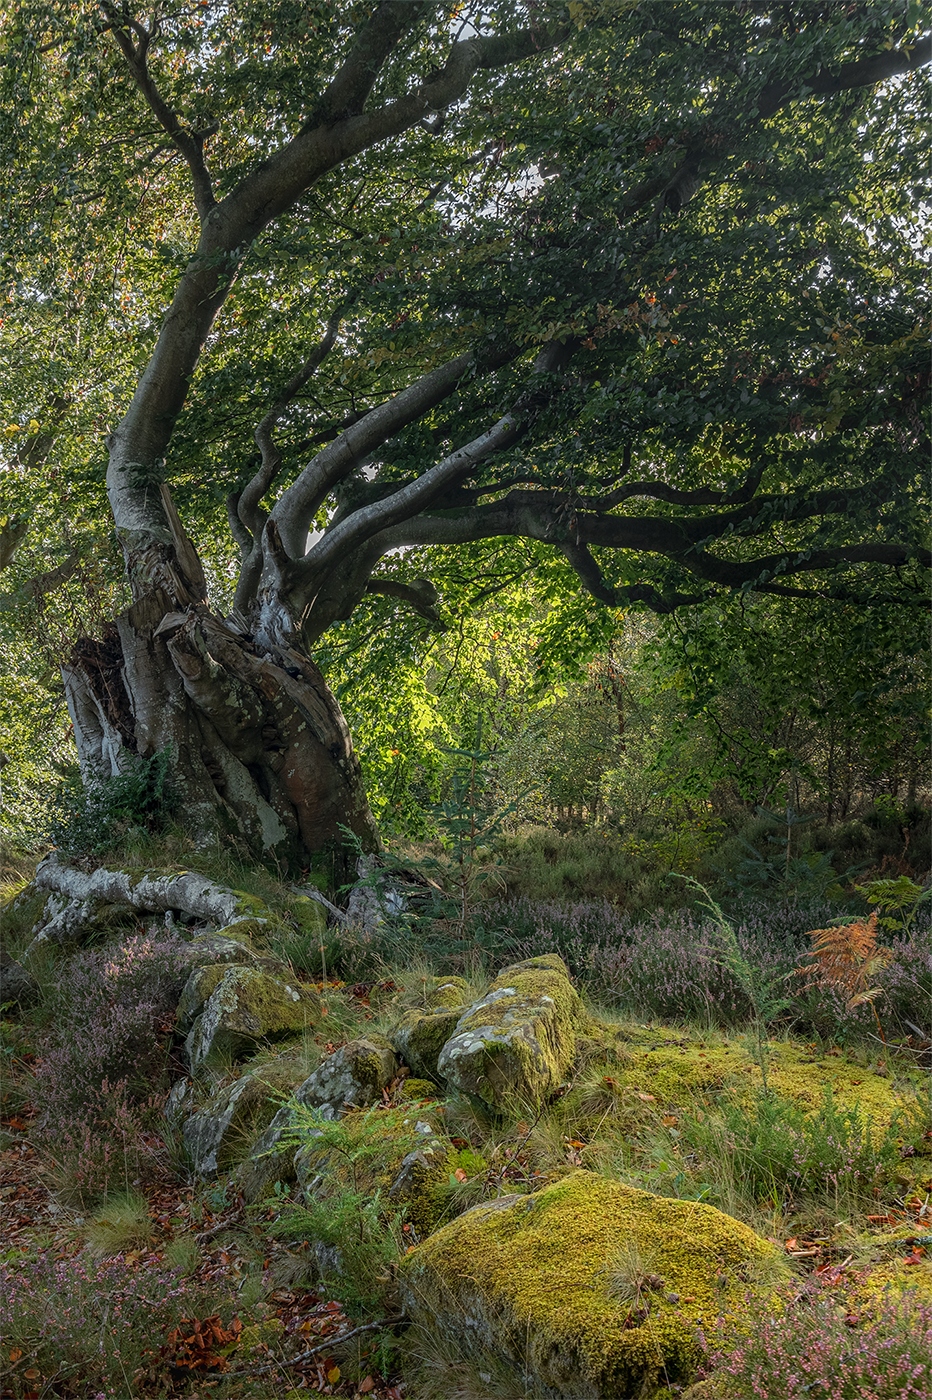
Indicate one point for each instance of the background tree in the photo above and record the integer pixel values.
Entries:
(613, 283)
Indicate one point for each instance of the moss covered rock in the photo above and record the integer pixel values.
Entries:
(393, 1156)
(352, 1077)
(212, 954)
(309, 914)
(537, 1280)
(421, 1035)
(446, 993)
(246, 1007)
(220, 1133)
(519, 1040)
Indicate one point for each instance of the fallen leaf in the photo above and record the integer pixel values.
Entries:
(648, 1098)
(333, 1375)
(365, 1386)
(460, 1174)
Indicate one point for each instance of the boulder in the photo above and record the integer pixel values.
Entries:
(218, 1134)
(226, 945)
(16, 983)
(374, 898)
(245, 1008)
(420, 1037)
(309, 914)
(423, 1031)
(519, 1040)
(544, 1282)
(213, 954)
(392, 1157)
(353, 1076)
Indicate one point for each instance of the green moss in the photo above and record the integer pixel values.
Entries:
(251, 905)
(520, 1039)
(417, 1090)
(675, 1074)
(532, 1275)
(447, 993)
(896, 1280)
(248, 1006)
(310, 916)
(420, 1037)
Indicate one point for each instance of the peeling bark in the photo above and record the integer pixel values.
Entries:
(184, 893)
(261, 754)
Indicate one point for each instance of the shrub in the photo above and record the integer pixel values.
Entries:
(85, 1327)
(88, 818)
(99, 1084)
(799, 1352)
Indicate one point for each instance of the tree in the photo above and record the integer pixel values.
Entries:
(615, 280)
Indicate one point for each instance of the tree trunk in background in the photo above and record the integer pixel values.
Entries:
(262, 758)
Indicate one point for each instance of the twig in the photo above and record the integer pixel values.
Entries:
(220, 1226)
(328, 1345)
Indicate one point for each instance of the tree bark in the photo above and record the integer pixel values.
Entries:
(262, 758)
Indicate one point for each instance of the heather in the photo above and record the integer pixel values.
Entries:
(812, 1346)
(668, 965)
(86, 1327)
(102, 1076)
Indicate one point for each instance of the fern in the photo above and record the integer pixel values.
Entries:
(849, 958)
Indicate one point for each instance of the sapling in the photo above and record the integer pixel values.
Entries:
(760, 988)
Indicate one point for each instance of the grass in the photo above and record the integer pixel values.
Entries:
(661, 1098)
(121, 1224)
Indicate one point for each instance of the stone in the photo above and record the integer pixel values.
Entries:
(391, 1158)
(180, 1102)
(419, 1038)
(219, 1133)
(16, 983)
(447, 993)
(534, 1280)
(353, 1076)
(373, 899)
(212, 954)
(309, 914)
(246, 1008)
(518, 1041)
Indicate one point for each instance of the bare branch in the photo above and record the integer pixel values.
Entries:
(323, 142)
(248, 507)
(297, 506)
(418, 495)
(421, 595)
(861, 72)
(190, 144)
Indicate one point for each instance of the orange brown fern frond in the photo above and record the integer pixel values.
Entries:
(848, 957)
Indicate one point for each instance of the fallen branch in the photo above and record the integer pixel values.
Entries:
(183, 892)
(328, 1345)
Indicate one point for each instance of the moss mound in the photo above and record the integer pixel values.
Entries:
(537, 1279)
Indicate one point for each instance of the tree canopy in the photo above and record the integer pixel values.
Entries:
(380, 299)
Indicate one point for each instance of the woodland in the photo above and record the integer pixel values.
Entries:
(464, 542)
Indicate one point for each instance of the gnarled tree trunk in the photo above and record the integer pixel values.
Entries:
(261, 755)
